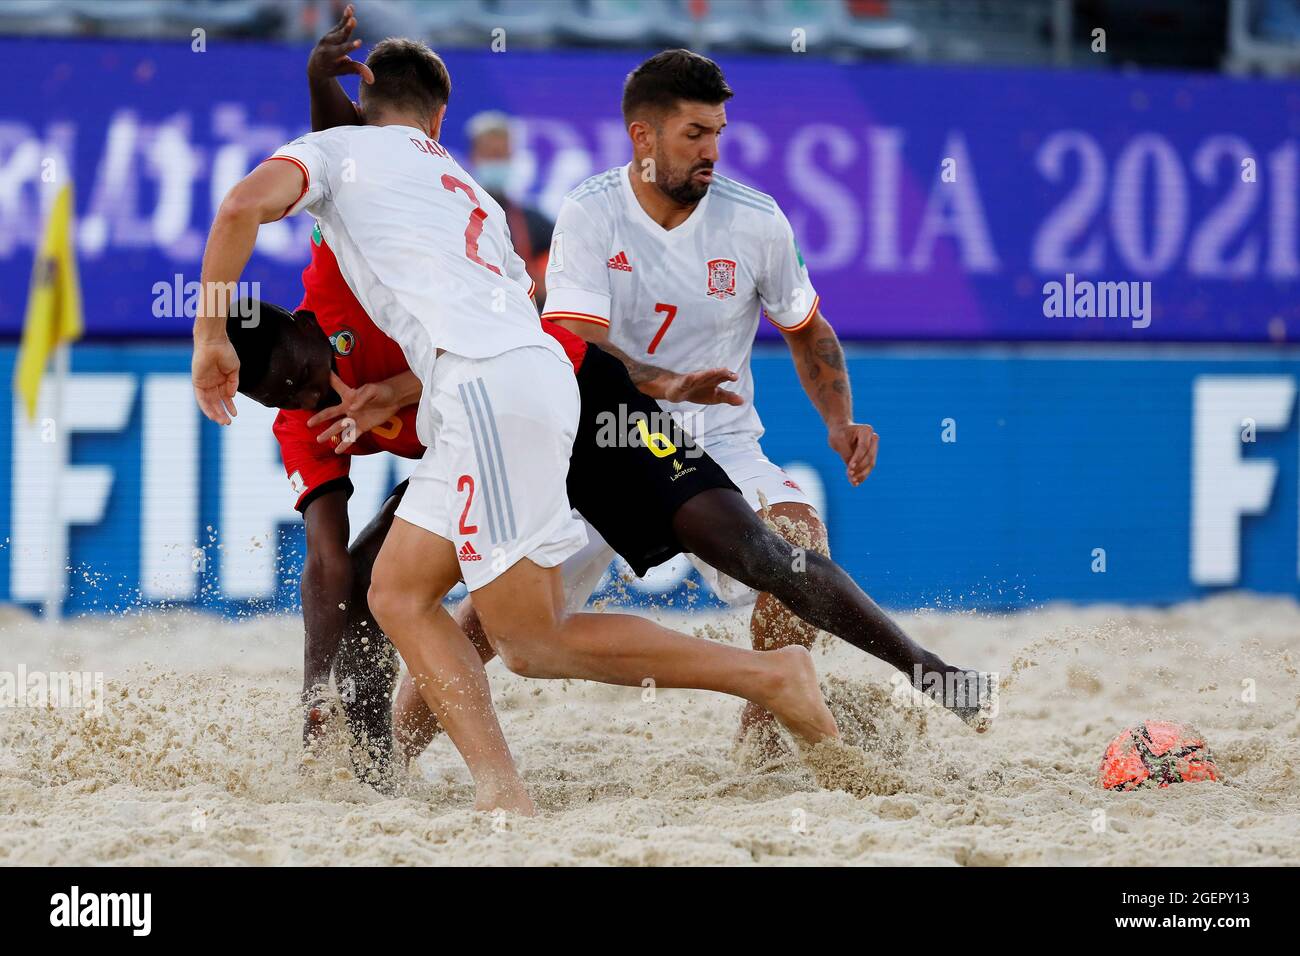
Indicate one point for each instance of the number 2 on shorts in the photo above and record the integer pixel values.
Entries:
(463, 482)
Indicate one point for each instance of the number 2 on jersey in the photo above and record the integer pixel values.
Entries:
(476, 216)
(671, 312)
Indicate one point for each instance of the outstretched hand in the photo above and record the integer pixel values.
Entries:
(330, 58)
(360, 410)
(703, 387)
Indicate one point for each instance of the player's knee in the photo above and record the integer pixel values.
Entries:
(517, 654)
(388, 604)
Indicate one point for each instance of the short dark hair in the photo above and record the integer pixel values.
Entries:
(408, 75)
(256, 330)
(658, 84)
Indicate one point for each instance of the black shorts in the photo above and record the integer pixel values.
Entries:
(627, 490)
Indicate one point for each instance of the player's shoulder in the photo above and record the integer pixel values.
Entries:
(339, 137)
(595, 189)
(732, 192)
(322, 137)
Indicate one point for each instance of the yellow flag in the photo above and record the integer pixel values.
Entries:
(54, 303)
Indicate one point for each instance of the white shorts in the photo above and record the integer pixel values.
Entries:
(492, 479)
(752, 471)
(744, 462)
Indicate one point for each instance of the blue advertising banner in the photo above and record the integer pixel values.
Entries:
(930, 203)
(1008, 476)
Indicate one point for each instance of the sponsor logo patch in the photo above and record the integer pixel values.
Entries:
(467, 553)
(620, 263)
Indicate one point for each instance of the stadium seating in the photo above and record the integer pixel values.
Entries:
(1264, 35)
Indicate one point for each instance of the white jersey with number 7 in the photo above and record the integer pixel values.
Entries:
(685, 298)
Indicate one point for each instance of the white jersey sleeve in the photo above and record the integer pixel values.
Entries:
(311, 163)
(786, 291)
(577, 277)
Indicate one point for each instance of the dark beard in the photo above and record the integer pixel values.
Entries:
(686, 192)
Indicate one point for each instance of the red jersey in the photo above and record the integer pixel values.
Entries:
(362, 354)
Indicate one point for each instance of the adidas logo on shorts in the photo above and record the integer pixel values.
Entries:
(467, 553)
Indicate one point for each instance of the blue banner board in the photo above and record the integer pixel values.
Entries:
(929, 203)
(1008, 477)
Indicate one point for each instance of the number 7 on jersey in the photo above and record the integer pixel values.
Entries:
(671, 312)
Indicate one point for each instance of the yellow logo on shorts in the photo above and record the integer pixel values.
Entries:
(657, 442)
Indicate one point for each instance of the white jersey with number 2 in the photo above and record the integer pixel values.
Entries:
(423, 247)
(685, 298)
(428, 255)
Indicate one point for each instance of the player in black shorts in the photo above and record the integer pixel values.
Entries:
(650, 503)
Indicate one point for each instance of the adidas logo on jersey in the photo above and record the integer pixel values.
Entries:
(620, 262)
(467, 553)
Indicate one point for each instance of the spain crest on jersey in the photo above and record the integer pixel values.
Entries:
(722, 278)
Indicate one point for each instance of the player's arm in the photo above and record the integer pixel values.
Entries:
(819, 360)
(330, 105)
(703, 387)
(791, 304)
(264, 195)
(326, 589)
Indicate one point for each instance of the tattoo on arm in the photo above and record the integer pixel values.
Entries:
(639, 371)
(829, 352)
(821, 366)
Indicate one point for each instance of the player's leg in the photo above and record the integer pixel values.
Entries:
(785, 557)
(512, 453)
(523, 615)
(413, 722)
(365, 668)
(719, 527)
(772, 625)
(413, 573)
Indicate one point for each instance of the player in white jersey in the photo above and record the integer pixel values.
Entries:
(669, 265)
(426, 253)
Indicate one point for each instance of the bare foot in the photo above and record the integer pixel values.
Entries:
(512, 799)
(975, 701)
(796, 698)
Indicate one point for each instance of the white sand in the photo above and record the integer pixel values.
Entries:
(195, 760)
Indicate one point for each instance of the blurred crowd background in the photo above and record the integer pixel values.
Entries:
(1235, 35)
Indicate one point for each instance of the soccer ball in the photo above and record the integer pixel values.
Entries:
(1156, 753)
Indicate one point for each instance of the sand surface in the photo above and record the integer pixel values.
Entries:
(195, 759)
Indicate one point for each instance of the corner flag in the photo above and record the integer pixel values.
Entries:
(53, 304)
